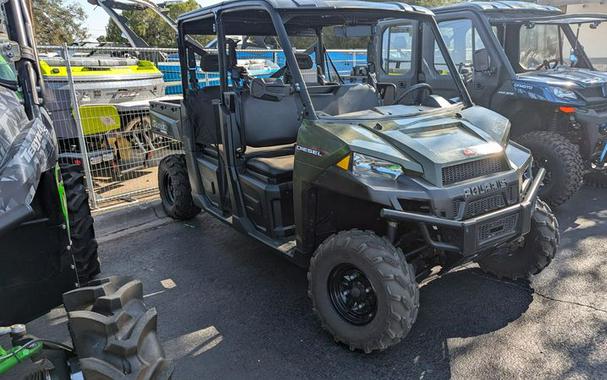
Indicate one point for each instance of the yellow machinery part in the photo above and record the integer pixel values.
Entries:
(99, 118)
(141, 68)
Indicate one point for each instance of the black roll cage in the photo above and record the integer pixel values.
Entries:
(188, 65)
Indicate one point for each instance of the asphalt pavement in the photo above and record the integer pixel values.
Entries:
(229, 308)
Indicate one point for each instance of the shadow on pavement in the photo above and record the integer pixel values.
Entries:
(239, 311)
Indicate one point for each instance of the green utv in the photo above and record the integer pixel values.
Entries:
(48, 247)
(372, 191)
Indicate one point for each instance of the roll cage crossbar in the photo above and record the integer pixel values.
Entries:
(564, 19)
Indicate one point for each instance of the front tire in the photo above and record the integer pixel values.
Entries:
(362, 290)
(82, 232)
(562, 161)
(537, 252)
(175, 190)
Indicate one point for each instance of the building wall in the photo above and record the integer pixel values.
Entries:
(593, 40)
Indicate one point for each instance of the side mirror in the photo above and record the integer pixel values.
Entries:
(481, 61)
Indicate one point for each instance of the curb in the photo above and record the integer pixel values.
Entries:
(126, 220)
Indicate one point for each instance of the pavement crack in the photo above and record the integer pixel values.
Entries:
(569, 302)
(533, 291)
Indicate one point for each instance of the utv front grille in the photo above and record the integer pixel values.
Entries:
(473, 169)
(601, 108)
(592, 92)
(481, 206)
(497, 228)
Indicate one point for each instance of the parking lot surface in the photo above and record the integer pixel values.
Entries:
(230, 308)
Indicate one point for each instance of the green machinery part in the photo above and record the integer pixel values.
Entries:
(10, 358)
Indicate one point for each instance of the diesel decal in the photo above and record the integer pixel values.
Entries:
(307, 150)
(485, 188)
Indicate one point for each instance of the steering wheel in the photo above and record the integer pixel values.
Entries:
(414, 88)
(547, 64)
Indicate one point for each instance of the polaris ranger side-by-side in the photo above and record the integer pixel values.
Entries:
(47, 243)
(526, 62)
(369, 189)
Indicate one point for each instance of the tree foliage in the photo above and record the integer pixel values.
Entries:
(149, 26)
(155, 32)
(58, 21)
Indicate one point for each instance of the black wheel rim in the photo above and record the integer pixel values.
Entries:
(168, 189)
(352, 294)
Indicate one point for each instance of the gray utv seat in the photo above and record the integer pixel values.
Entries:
(279, 168)
(346, 98)
(270, 122)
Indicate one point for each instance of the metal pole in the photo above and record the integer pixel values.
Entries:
(81, 140)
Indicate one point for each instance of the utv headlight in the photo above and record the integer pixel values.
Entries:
(564, 94)
(365, 166)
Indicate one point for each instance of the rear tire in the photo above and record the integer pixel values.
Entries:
(114, 333)
(540, 246)
(82, 232)
(362, 290)
(175, 190)
(562, 161)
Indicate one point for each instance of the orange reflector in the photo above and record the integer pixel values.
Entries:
(345, 162)
(565, 109)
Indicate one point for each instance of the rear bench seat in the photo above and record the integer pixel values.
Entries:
(272, 161)
(271, 126)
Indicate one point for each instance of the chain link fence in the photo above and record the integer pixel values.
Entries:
(98, 98)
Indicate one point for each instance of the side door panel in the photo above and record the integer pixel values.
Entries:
(394, 53)
(466, 34)
(36, 267)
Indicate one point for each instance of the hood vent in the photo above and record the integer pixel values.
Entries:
(473, 169)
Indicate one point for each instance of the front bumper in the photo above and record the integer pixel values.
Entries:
(594, 124)
(481, 232)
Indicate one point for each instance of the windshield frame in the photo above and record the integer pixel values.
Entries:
(563, 21)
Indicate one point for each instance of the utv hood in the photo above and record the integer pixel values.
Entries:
(434, 140)
(566, 76)
(443, 140)
(540, 85)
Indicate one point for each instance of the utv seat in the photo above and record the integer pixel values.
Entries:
(279, 169)
(274, 162)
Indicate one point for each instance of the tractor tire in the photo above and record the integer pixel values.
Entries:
(82, 232)
(363, 290)
(114, 333)
(596, 178)
(538, 250)
(562, 161)
(175, 190)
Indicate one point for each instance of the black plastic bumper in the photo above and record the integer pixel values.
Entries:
(477, 232)
(593, 123)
